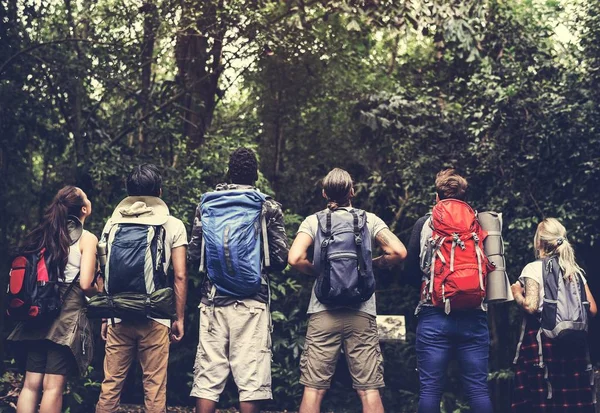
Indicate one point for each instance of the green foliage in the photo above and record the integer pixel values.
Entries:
(391, 91)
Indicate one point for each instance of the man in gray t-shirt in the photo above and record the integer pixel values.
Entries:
(353, 328)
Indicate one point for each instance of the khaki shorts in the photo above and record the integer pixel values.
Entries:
(233, 339)
(329, 332)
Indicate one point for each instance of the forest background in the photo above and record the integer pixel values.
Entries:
(506, 91)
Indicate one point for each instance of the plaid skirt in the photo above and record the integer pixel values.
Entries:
(562, 382)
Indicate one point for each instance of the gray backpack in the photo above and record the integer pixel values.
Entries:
(342, 258)
(565, 311)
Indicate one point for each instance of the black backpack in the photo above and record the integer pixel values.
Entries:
(33, 290)
(343, 259)
(135, 258)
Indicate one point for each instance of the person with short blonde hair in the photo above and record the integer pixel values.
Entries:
(556, 377)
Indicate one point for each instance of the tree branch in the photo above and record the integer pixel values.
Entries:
(40, 45)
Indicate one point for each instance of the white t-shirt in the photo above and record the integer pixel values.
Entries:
(534, 270)
(175, 236)
(73, 260)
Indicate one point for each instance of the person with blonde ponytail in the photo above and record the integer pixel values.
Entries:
(53, 349)
(552, 374)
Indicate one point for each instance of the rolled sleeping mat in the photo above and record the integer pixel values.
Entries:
(498, 285)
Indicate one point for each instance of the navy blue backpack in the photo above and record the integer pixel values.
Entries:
(343, 259)
(232, 224)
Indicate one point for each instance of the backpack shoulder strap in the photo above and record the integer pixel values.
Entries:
(550, 274)
(326, 230)
(69, 289)
(358, 241)
(263, 225)
(160, 236)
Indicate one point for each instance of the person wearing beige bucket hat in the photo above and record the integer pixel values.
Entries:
(142, 210)
(142, 239)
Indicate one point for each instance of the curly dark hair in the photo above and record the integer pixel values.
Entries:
(243, 167)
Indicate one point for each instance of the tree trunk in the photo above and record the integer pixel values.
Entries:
(199, 60)
(76, 90)
(151, 24)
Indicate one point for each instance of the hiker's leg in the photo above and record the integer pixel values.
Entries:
(434, 347)
(321, 352)
(472, 353)
(371, 401)
(120, 350)
(365, 362)
(35, 367)
(153, 352)
(29, 397)
(205, 406)
(311, 400)
(211, 368)
(52, 396)
(250, 407)
(59, 363)
(250, 351)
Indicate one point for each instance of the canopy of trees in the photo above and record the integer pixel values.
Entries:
(506, 91)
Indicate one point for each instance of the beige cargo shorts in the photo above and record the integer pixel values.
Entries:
(329, 332)
(234, 339)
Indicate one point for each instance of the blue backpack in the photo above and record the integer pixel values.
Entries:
(343, 259)
(232, 224)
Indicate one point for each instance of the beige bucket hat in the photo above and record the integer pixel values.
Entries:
(144, 210)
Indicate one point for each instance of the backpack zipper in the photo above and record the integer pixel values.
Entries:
(339, 255)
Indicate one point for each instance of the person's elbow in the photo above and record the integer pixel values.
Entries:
(88, 289)
(401, 252)
(180, 275)
(294, 259)
(397, 254)
(593, 310)
(529, 308)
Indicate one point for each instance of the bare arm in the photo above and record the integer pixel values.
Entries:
(87, 268)
(394, 251)
(590, 297)
(178, 258)
(530, 302)
(298, 255)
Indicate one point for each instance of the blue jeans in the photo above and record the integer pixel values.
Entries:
(463, 335)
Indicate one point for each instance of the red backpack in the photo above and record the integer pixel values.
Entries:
(458, 267)
(33, 291)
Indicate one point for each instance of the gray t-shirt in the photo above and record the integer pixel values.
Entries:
(310, 226)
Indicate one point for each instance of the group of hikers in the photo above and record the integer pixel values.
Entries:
(63, 275)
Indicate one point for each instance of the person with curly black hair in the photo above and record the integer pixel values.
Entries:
(243, 167)
(235, 322)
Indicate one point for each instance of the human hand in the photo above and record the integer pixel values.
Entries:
(100, 284)
(177, 331)
(517, 289)
(104, 330)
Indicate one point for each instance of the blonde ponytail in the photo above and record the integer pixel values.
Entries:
(551, 239)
